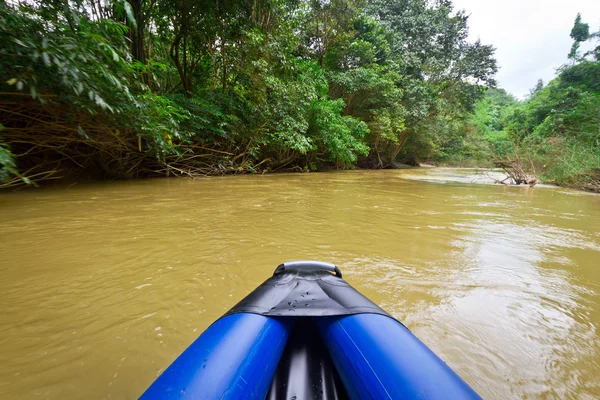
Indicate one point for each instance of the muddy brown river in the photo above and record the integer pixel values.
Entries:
(103, 285)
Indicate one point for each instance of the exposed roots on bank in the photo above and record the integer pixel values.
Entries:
(49, 142)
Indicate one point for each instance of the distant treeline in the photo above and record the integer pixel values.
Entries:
(132, 88)
(556, 129)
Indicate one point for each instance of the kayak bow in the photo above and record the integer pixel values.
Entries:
(307, 334)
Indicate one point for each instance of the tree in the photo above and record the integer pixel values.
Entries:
(442, 74)
(538, 86)
(580, 33)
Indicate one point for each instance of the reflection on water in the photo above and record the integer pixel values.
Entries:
(104, 285)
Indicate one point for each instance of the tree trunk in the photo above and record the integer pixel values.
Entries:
(174, 52)
(137, 35)
(224, 58)
(186, 75)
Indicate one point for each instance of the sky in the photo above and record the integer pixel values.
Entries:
(531, 36)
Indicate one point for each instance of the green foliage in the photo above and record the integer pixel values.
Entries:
(7, 164)
(205, 118)
(341, 136)
(558, 127)
(288, 107)
(584, 76)
(304, 120)
(565, 160)
(8, 167)
(135, 88)
(159, 120)
(88, 67)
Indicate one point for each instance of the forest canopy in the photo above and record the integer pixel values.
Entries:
(123, 89)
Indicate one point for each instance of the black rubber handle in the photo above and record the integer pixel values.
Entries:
(308, 264)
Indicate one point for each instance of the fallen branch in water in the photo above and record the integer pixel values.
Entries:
(515, 171)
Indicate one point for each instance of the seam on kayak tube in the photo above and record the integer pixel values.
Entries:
(364, 358)
(263, 331)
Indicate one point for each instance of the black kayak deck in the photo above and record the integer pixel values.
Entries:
(303, 290)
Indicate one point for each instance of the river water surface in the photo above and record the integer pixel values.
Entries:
(103, 285)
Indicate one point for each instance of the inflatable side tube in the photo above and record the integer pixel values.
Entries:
(378, 358)
(235, 358)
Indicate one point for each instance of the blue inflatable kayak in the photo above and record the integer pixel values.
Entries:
(307, 334)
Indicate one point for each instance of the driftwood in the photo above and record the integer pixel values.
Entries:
(516, 173)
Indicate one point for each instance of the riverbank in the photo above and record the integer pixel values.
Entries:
(432, 172)
(588, 181)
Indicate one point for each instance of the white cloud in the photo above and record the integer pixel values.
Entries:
(531, 36)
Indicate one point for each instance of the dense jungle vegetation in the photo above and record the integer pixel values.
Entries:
(555, 131)
(132, 88)
(120, 89)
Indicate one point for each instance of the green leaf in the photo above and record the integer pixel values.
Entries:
(11, 81)
(129, 12)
